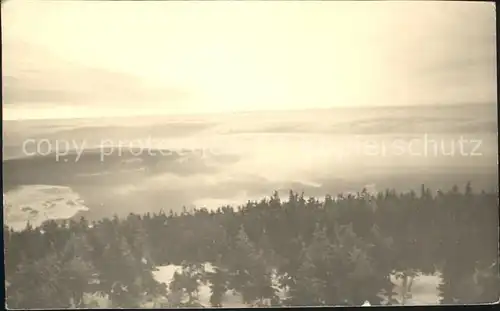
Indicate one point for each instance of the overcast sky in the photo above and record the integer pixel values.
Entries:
(74, 59)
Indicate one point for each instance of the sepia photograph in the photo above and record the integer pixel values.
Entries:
(239, 154)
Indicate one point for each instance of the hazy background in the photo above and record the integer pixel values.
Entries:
(114, 58)
(314, 79)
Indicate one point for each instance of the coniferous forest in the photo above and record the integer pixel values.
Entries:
(334, 251)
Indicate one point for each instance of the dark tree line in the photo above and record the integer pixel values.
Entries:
(337, 251)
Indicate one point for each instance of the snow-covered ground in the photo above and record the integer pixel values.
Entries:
(231, 299)
(38, 203)
(424, 289)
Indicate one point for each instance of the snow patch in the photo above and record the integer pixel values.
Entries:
(424, 290)
(38, 203)
(232, 299)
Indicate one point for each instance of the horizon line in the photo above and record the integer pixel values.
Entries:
(249, 111)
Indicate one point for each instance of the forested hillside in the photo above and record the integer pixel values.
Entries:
(334, 251)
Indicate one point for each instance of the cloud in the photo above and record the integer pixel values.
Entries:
(478, 117)
(154, 132)
(34, 75)
(338, 55)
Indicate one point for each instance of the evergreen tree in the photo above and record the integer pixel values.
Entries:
(339, 252)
